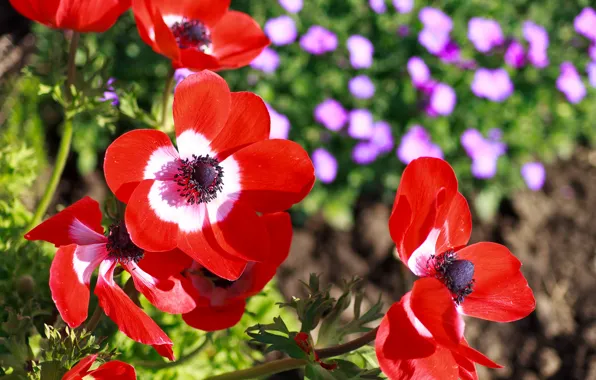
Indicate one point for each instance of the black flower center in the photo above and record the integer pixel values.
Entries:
(192, 34)
(199, 178)
(217, 281)
(120, 246)
(457, 275)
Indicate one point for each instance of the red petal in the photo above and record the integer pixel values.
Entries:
(472, 355)
(274, 174)
(197, 60)
(70, 275)
(433, 305)
(43, 12)
(397, 328)
(247, 123)
(166, 294)
(143, 18)
(279, 227)
(165, 264)
(399, 221)
(239, 230)
(500, 292)
(114, 370)
(90, 16)
(62, 229)
(207, 11)
(164, 38)
(130, 319)
(215, 317)
(138, 155)
(458, 227)
(237, 39)
(147, 230)
(467, 369)
(201, 104)
(80, 369)
(421, 183)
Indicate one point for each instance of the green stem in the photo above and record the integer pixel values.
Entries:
(166, 98)
(182, 360)
(65, 142)
(282, 365)
(95, 318)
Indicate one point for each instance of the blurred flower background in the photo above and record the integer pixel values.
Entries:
(501, 90)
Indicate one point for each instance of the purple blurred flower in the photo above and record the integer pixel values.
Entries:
(592, 51)
(515, 55)
(280, 125)
(325, 165)
(485, 34)
(493, 85)
(267, 61)
(331, 114)
(361, 87)
(403, 6)
(361, 52)
(585, 23)
(483, 152)
(570, 83)
(537, 38)
(318, 40)
(110, 94)
(418, 71)
(534, 175)
(292, 6)
(378, 6)
(451, 53)
(382, 137)
(495, 134)
(417, 143)
(181, 74)
(364, 153)
(403, 30)
(437, 26)
(591, 69)
(281, 30)
(442, 100)
(361, 124)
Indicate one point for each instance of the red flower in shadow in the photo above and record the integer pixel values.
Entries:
(199, 34)
(112, 370)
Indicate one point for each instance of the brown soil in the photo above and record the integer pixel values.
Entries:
(553, 232)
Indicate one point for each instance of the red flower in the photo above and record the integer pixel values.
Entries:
(113, 370)
(78, 15)
(78, 234)
(204, 197)
(199, 34)
(221, 303)
(431, 225)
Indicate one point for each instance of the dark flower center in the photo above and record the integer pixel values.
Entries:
(217, 281)
(457, 275)
(120, 246)
(192, 34)
(199, 178)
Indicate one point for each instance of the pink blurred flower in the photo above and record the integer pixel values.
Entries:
(485, 34)
(417, 143)
(361, 52)
(570, 83)
(493, 85)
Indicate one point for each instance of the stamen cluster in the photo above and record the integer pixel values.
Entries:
(199, 178)
(457, 275)
(192, 34)
(119, 245)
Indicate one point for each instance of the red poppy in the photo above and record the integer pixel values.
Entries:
(112, 370)
(204, 197)
(431, 225)
(78, 234)
(78, 15)
(199, 34)
(221, 303)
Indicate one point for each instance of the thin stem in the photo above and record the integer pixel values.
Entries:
(287, 364)
(65, 142)
(263, 370)
(166, 98)
(95, 318)
(182, 360)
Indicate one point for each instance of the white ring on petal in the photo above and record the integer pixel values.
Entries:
(419, 259)
(162, 164)
(81, 234)
(86, 258)
(170, 207)
(190, 142)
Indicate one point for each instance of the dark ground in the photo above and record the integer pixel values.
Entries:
(553, 233)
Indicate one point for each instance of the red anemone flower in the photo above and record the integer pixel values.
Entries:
(78, 234)
(78, 15)
(204, 197)
(112, 370)
(221, 303)
(431, 225)
(200, 34)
